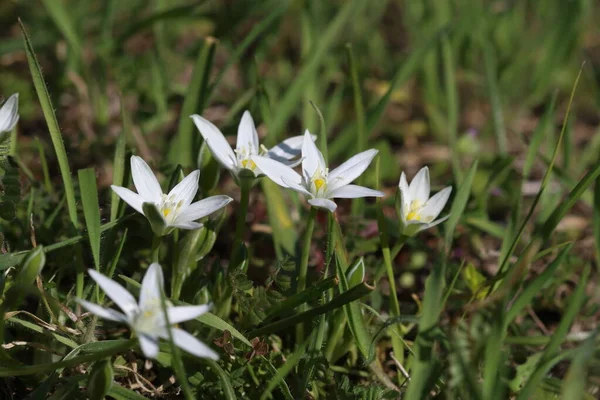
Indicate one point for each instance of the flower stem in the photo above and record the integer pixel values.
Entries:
(303, 267)
(240, 227)
(155, 248)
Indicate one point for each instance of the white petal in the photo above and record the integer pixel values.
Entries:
(202, 208)
(116, 292)
(354, 191)
(350, 170)
(189, 343)
(145, 181)
(190, 225)
(100, 311)
(312, 158)
(404, 199)
(149, 345)
(297, 188)
(403, 186)
(185, 190)
(277, 171)
(185, 313)
(133, 199)
(436, 203)
(323, 203)
(216, 142)
(9, 113)
(288, 149)
(247, 136)
(419, 186)
(152, 285)
(434, 223)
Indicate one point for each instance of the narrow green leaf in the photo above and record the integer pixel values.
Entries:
(285, 369)
(91, 210)
(574, 384)
(48, 109)
(491, 73)
(119, 163)
(459, 204)
(228, 391)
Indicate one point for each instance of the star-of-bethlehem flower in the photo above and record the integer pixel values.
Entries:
(240, 160)
(146, 318)
(176, 208)
(417, 210)
(317, 182)
(9, 113)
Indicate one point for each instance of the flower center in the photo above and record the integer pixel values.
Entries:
(169, 206)
(243, 156)
(319, 182)
(249, 164)
(414, 211)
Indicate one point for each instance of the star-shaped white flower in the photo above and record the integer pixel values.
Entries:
(316, 182)
(9, 113)
(176, 208)
(240, 159)
(146, 318)
(417, 210)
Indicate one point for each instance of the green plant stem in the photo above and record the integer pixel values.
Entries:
(155, 248)
(240, 227)
(303, 267)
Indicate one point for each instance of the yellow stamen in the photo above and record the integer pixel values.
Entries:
(148, 313)
(246, 162)
(414, 211)
(413, 216)
(166, 211)
(319, 183)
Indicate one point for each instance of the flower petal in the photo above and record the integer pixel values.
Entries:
(434, 223)
(403, 186)
(189, 225)
(297, 188)
(247, 136)
(216, 142)
(185, 190)
(102, 312)
(116, 292)
(185, 313)
(152, 285)
(145, 181)
(323, 203)
(133, 199)
(353, 192)
(312, 158)
(189, 343)
(149, 345)
(288, 149)
(419, 186)
(9, 113)
(277, 171)
(202, 208)
(436, 203)
(350, 170)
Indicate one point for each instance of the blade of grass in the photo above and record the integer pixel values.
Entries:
(538, 136)
(574, 384)
(91, 211)
(48, 109)
(451, 105)
(459, 204)
(491, 73)
(285, 369)
(228, 391)
(187, 142)
(119, 163)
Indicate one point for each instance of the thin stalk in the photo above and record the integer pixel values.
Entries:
(397, 344)
(155, 248)
(303, 267)
(240, 227)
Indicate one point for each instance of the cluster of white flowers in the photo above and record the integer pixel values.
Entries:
(249, 160)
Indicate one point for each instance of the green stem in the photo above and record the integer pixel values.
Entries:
(155, 248)
(303, 267)
(240, 227)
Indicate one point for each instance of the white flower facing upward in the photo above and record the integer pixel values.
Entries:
(239, 160)
(146, 318)
(176, 208)
(417, 210)
(9, 113)
(317, 182)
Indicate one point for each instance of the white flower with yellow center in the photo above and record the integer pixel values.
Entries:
(146, 318)
(317, 182)
(240, 159)
(176, 208)
(417, 210)
(9, 113)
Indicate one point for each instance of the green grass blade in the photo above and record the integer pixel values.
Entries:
(538, 136)
(64, 23)
(459, 204)
(574, 384)
(491, 73)
(48, 109)
(91, 210)
(187, 141)
(228, 391)
(452, 105)
(119, 164)
(285, 369)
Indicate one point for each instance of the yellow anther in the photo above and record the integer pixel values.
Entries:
(166, 211)
(414, 211)
(148, 313)
(319, 183)
(413, 216)
(252, 165)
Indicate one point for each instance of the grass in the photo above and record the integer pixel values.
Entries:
(499, 100)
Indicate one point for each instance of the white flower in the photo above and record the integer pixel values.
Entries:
(316, 182)
(240, 159)
(417, 210)
(9, 113)
(176, 208)
(147, 318)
